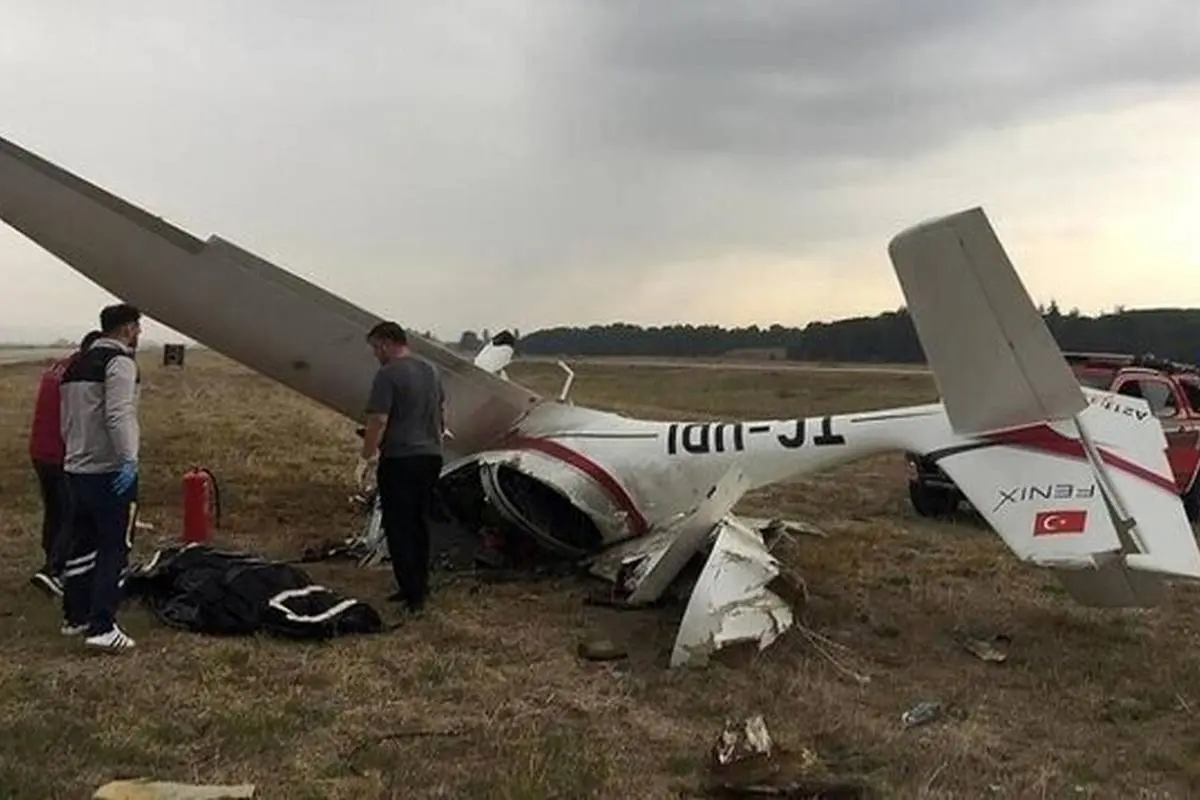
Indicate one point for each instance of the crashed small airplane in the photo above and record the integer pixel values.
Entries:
(641, 498)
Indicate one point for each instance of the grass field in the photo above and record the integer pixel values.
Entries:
(1089, 704)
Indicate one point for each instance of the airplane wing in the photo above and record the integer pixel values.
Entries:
(236, 303)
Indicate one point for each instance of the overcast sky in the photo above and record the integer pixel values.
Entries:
(502, 162)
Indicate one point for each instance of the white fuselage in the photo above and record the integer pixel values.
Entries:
(634, 476)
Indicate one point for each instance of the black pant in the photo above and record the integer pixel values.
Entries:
(406, 486)
(100, 535)
(54, 515)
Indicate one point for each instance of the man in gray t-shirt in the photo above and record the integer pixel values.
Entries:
(404, 432)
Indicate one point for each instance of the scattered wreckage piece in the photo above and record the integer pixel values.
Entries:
(926, 712)
(736, 743)
(773, 528)
(203, 589)
(649, 576)
(922, 713)
(731, 602)
(746, 762)
(992, 648)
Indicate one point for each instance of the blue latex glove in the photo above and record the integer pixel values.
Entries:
(125, 476)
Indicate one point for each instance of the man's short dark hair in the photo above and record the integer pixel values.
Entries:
(88, 338)
(388, 332)
(113, 317)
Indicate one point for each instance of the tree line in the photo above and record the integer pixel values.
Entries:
(888, 337)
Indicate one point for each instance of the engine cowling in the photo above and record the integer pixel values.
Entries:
(562, 508)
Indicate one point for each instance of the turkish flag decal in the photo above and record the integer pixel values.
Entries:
(1049, 523)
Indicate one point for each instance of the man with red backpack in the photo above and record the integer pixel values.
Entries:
(46, 450)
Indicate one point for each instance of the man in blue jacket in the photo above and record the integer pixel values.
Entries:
(100, 463)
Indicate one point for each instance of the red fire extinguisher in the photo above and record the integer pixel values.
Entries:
(201, 504)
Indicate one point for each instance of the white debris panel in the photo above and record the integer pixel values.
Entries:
(730, 602)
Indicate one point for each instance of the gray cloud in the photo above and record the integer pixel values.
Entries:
(717, 126)
(866, 79)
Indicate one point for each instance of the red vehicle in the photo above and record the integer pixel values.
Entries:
(1172, 391)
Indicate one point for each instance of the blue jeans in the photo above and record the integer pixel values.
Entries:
(99, 533)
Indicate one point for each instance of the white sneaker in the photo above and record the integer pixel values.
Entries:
(73, 630)
(113, 641)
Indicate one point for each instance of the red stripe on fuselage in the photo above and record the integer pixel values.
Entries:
(615, 491)
(1045, 438)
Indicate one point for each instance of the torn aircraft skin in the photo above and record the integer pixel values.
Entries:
(644, 497)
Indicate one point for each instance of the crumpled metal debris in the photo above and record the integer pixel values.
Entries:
(922, 713)
(747, 763)
(993, 649)
(986, 650)
(145, 789)
(730, 601)
(776, 527)
(738, 742)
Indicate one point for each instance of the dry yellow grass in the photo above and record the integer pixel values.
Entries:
(1089, 703)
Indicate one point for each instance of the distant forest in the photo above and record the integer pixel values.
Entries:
(887, 338)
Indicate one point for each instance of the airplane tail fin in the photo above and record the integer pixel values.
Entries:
(1083, 487)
